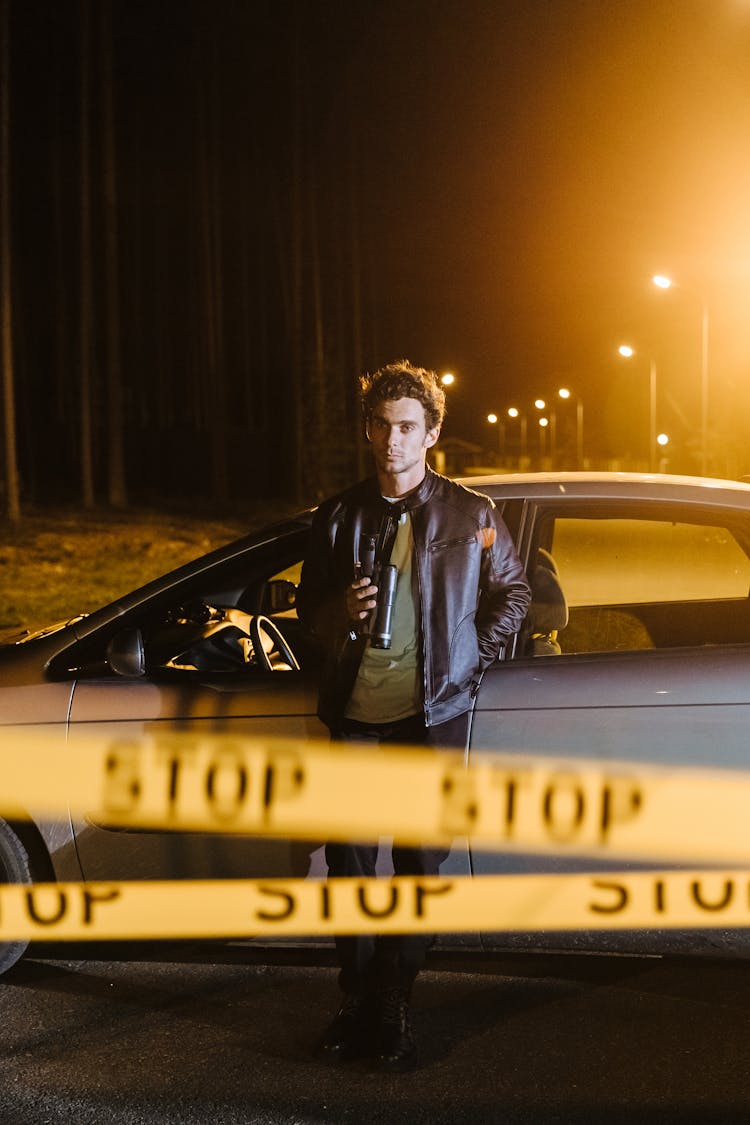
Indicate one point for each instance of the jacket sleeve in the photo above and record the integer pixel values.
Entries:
(504, 592)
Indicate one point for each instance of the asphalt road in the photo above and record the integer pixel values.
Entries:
(538, 1039)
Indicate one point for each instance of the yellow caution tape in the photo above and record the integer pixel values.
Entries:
(229, 784)
(252, 908)
(329, 792)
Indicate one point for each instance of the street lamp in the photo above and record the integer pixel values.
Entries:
(661, 281)
(540, 404)
(495, 421)
(565, 394)
(543, 424)
(628, 353)
(514, 412)
(662, 440)
(448, 379)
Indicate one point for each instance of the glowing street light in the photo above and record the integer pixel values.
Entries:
(628, 352)
(566, 394)
(661, 281)
(514, 412)
(662, 440)
(448, 379)
(543, 424)
(495, 421)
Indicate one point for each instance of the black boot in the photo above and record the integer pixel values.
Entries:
(396, 1048)
(350, 1035)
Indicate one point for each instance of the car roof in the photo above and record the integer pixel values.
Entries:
(635, 486)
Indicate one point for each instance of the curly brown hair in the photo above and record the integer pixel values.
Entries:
(402, 380)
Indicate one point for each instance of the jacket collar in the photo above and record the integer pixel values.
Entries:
(418, 496)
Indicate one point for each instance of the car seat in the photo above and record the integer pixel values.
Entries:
(548, 612)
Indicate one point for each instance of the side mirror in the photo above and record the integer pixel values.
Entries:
(125, 653)
(279, 596)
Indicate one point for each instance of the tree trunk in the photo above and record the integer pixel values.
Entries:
(297, 380)
(219, 418)
(362, 454)
(12, 488)
(212, 271)
(86, 307)
(115, 427)
(316, 445)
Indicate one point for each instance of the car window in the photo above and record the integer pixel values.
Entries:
(636, 582)
(289, 574)
(219, 630)
(607, 561)
(203, 622)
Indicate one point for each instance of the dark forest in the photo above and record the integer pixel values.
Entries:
(189, 280)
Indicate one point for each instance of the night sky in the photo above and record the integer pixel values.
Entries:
(541, 162)
(514, 173)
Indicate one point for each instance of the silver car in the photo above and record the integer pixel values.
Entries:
(637, 647)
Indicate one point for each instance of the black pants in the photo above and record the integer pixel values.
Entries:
(379, 961)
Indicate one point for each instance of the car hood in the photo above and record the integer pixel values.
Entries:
(26, 635)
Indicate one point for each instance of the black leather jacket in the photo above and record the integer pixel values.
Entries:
(471, 592)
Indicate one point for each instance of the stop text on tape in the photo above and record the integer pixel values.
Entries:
(262, 908)
(182, 782)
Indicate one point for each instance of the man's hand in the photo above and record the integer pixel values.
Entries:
(360, 598)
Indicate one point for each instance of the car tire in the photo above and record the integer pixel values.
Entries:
(15, 867)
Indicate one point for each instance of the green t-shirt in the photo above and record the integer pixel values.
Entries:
(387, 687)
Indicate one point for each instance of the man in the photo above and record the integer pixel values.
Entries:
(460, 593)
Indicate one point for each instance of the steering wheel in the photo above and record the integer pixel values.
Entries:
(261, 627)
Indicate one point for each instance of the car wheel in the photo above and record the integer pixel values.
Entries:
(15, 867)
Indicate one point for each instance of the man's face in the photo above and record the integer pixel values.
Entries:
(398, 433)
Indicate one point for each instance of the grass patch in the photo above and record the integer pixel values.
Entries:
(57, 564)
